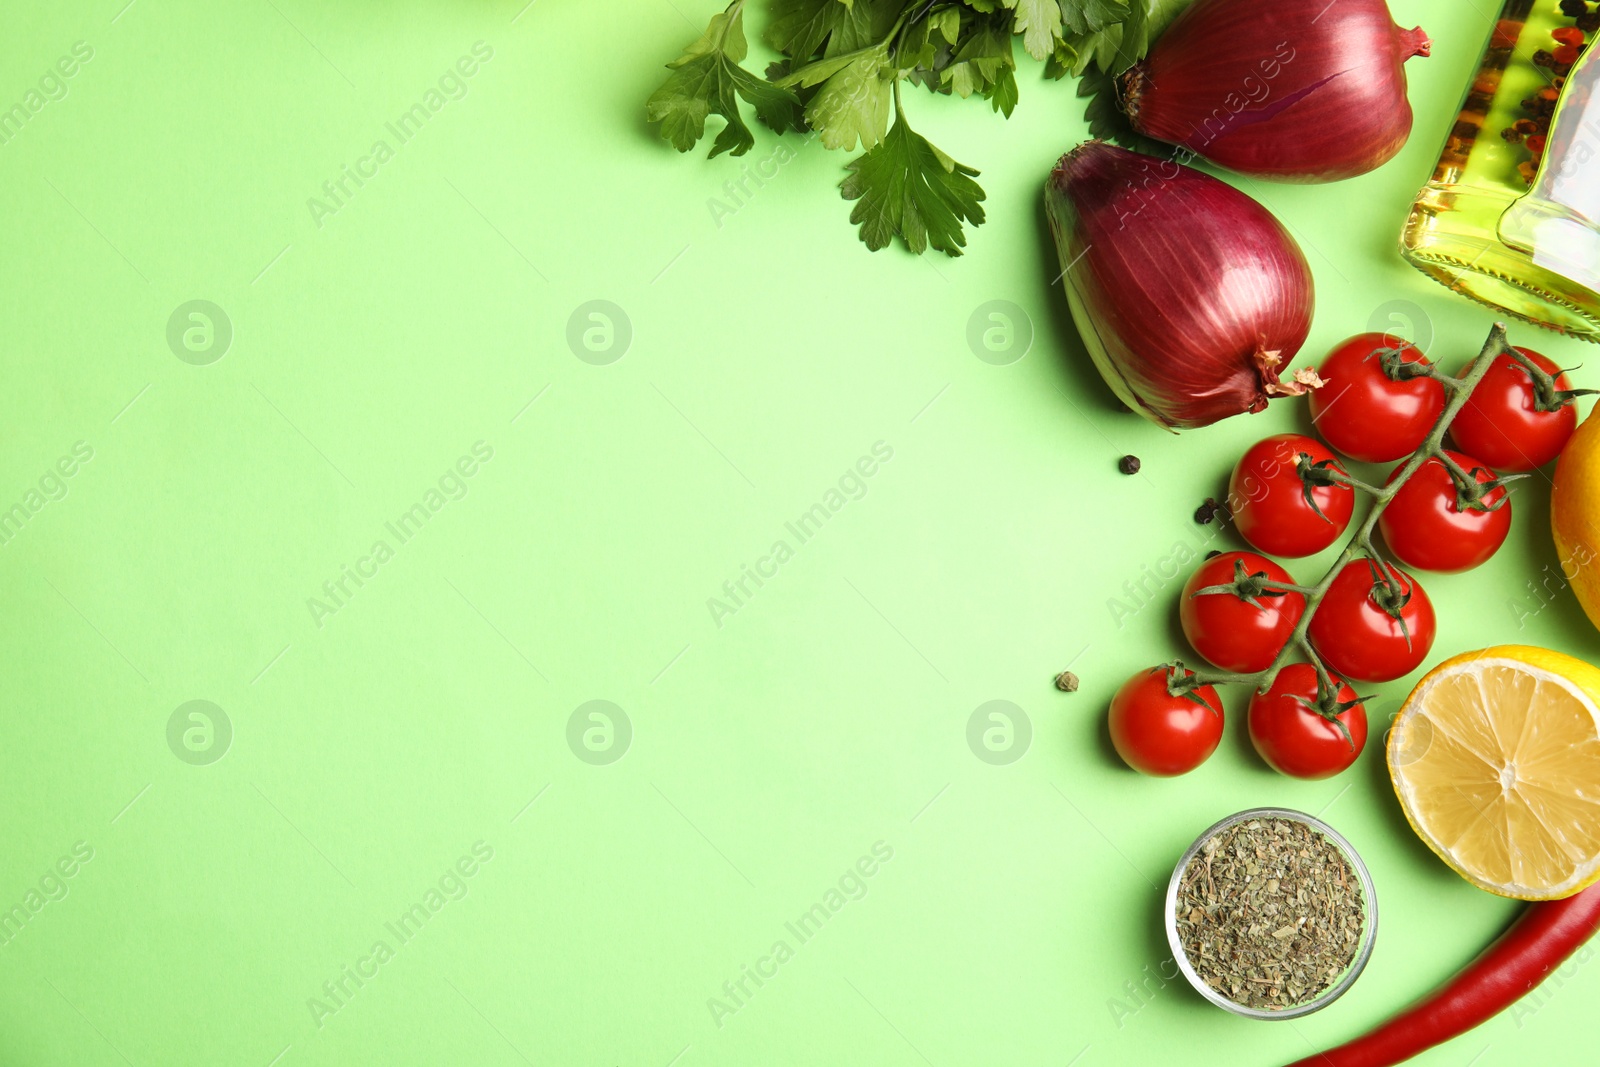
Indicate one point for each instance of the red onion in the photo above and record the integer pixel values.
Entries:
(1293, 90)
(1190, 296)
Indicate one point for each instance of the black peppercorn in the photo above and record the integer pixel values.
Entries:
(1128, 465)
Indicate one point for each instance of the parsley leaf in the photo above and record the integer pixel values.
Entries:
(1039, 22)
(1087, 16)
(1003, 94)
(707, 79)
(979, 59)
(866, 23)
(1117, 44)
(906, 186)
(853, 103)
(799, 27)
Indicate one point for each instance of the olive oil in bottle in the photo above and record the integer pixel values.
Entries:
(1512, 215)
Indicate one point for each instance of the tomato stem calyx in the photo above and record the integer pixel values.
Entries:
(1328, 706)
(1471, 494)
(1250, 587)
(1390, 595)
(1321, 473)
(1399, 369)
(1182, 682)
(1547, 393)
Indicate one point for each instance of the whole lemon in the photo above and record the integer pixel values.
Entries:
(1575, 514)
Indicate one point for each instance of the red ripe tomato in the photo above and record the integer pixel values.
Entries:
(1366, 414)
(1230, 632)
(1297, 740)
(1268, 498)
(1160, 734)
(1501, 423)
(1356, 635)
(1426, 530)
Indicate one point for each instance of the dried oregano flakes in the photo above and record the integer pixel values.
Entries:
(1270, 913)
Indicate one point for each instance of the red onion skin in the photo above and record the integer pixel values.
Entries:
(1189, 295)
(1290, 90)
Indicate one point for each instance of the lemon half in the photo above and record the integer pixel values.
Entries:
(1495, 757)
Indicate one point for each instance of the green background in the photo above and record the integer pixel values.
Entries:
(372, 747)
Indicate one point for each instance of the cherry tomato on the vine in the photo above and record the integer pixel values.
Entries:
(1235, 634)
(1298, 741)
(1357, 636)
(1366, 414)
(1501, 423)
(1269, 499)
(1162, 734)
(1426, 529)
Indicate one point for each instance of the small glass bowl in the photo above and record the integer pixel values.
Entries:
(1369, 930)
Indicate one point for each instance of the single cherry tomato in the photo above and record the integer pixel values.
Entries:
(1297, 739)
(1501, 422)
(1426, 529)
(1372, 630)
(1269, 500)
(1230, 631)
(1160, 734)
(1366, 414)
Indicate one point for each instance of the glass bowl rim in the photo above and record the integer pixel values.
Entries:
(1369, 932)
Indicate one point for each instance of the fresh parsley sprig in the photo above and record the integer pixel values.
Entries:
(904, 185)
(706, 79)
(843, 62)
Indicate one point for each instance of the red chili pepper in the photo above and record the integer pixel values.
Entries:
(1540, 940)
